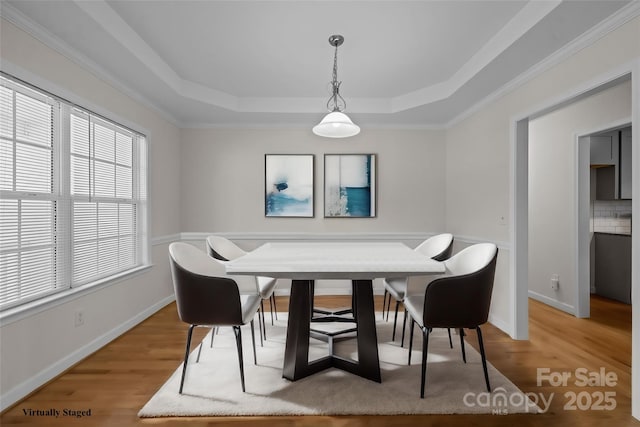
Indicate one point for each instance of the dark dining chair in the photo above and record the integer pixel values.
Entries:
(206, 296)
(437, 247)
(460, 300)
(223, 249)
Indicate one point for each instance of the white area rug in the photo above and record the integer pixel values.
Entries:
(212, 386)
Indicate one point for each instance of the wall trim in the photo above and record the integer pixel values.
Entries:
(44, 36)
(305, 126)
(337, 236)
(10, 13)
(164, 239)
(303, 235)
(621, 17)
(567, 308)
(472, 240)
(501, 324)
(20, 391)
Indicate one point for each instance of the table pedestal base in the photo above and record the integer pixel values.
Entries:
(296, 354)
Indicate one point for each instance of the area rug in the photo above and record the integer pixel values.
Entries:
(212, 386)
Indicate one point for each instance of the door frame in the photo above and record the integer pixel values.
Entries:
(519, 143)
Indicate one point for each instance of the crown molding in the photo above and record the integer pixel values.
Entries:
(116, 27)
(307, 126)
(520, 24)
(108, 19)
(621, 17)
(41, 34)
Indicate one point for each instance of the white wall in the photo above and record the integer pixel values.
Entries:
(39, 346)
(552, 189)
(223, 180)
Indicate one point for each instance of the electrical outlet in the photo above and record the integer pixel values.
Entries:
(78, 318)
(555, 282)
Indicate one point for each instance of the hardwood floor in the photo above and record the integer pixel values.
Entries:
(116, 381)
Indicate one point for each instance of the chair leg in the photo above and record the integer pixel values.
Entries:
(271, 309)
(186, 356)
(275, 307)
(199, 351)
(214, 331)
(484, 359)
(384, 302)
(464, 356)
(404, 326)
(388, 306)
(425, 353)
(253, 340)
(260, 328)
(450, 342)
(264, 325)
(413, 322)
(395, 321)
(238, 332)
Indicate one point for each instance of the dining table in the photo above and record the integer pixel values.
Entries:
(304, 262)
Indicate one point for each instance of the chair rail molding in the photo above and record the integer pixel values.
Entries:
(337, 236)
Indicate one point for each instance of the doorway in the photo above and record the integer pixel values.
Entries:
(604, 216)
(519, 263)
(559, 196)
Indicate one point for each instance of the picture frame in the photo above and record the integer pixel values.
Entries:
(289, 185)
(350, 185)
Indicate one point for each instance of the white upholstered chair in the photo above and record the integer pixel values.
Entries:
(459, 299)
(224, 249)
(207, 296)
(437, 247)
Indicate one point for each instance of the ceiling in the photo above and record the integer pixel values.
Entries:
(266, 63)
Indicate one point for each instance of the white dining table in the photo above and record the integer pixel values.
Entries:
(305, 262)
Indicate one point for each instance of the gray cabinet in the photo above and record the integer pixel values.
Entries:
(625, 163)
(611, 157)
(613, 266)
(604, 149)
(607, 183)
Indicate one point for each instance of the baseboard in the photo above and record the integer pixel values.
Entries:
(32, 384)
(500, 324)
(567, 308)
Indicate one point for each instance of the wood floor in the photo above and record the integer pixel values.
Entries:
(116, 381)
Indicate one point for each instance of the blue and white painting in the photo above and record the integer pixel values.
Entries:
(350, 185)
(289, 185)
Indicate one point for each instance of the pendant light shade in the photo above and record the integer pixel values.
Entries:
(336, 124)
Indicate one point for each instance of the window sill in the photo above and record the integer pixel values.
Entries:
(32, 308)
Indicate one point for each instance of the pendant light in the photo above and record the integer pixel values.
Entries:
(336, 124)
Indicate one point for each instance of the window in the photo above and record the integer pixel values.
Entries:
(72, 196)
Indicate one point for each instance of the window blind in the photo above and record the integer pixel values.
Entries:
(102, 189)
(28, 203)
(72, 195)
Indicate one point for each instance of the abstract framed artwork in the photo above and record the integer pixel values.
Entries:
(350, 185)
(288, 185)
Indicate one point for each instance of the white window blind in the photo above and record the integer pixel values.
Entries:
(28, 204)
(103, 197)
(72, 196)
